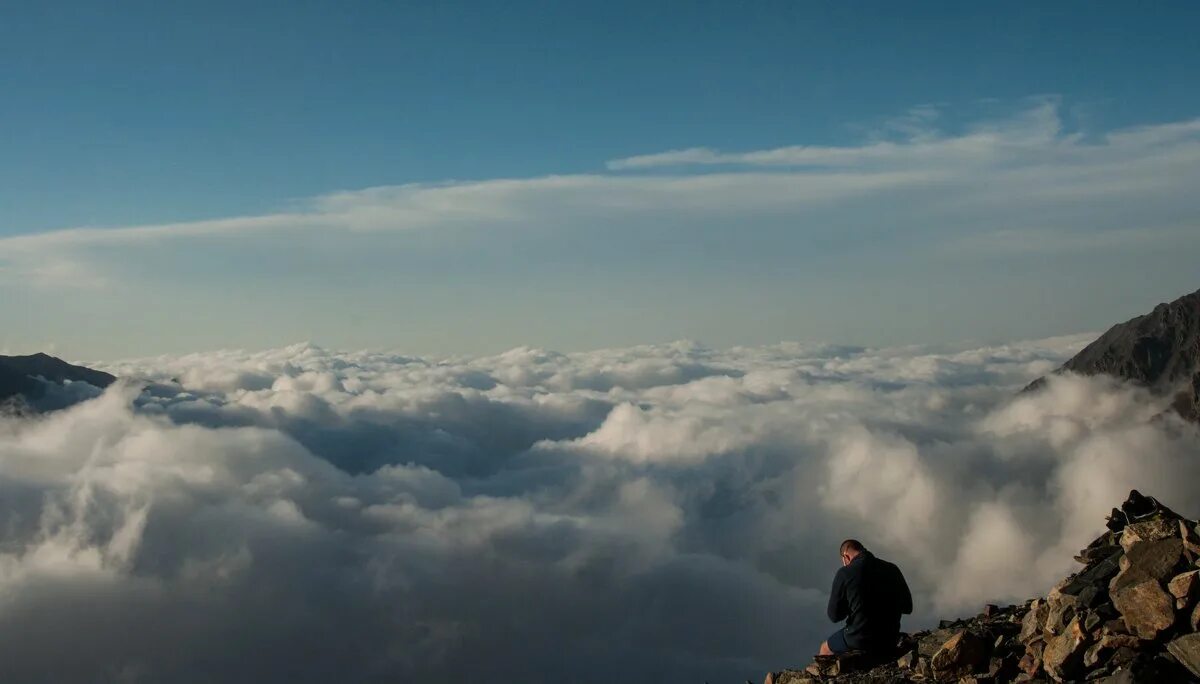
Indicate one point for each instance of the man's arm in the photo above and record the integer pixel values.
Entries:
(903, 595)
(838, 609)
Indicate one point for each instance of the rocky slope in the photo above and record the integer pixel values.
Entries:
(1160, 350)
(1130, 615)
(19, 376)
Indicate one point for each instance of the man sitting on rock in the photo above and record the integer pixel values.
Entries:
(870, 594)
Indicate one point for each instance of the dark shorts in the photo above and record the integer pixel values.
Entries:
(837, 642)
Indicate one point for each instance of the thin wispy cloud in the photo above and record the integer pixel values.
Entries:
(915, 190)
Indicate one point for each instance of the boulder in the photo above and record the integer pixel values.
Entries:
(1148, 530)
(1063, 657)
(1186, 650)
(961, 655)
(1153, 558)
(1145, 607)
(1194, 620)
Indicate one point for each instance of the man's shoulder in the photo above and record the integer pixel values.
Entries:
(887, 566)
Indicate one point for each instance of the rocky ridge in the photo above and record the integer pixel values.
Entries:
(23, 378)
(1130, 615)
(1159, 350)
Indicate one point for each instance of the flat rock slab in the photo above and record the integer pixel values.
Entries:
(1186, 650)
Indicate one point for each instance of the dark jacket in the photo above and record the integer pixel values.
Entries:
(870, 594)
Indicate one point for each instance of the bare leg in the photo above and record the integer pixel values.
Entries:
(825, 649)
(770, 678)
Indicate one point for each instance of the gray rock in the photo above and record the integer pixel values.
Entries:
(1186, 650)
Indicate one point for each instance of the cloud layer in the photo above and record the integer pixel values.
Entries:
(900, 237)
(306, 515)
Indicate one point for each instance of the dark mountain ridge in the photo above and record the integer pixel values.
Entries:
(19, 375)
(1159, 350)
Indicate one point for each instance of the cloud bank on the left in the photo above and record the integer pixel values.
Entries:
(633, 514)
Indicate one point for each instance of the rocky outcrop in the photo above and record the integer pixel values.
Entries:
(1130, 615)
(1160, 350)
(23, 378)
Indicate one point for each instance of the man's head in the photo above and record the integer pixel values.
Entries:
(850, 549)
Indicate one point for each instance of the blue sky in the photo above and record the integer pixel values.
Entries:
(973, 172)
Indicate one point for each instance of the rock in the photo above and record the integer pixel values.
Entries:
(1034, 620)
(961, 655)
(1030, 664)
(1123, 656)
(1115, 641)
(793, 677)
(1060, 612)
(1148, 530)
(1093, 595)
(1194, 621)
(1097, 573)
(1186, 650)
(907, 660)
(1153, 559)
(1145, 607)
(931, 643)
(1093, 655)
(1063, 657)
(1190, 536)
(1184, 588)
(1100, 651)
(1098, 551)
(822, 666)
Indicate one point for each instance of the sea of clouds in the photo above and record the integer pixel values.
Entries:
(656, 513)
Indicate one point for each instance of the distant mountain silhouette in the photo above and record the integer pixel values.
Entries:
(1160, 350)
(19, 375)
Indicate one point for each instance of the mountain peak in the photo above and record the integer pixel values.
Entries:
(22, 376)
(1159, 350)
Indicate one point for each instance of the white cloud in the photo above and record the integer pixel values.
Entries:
(1042, 185)
(626, 513)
